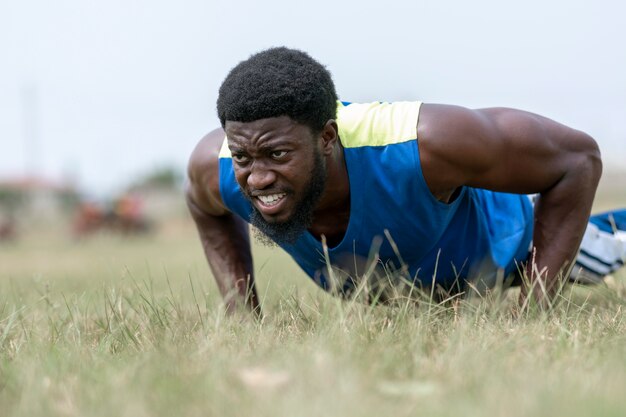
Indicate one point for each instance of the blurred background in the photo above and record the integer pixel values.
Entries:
(104, 290)
(102, 102)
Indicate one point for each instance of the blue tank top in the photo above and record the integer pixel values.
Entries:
(394, 214)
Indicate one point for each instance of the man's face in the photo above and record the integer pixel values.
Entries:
(280, 169)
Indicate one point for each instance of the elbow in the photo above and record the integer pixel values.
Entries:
(584, 168)
(593, 159)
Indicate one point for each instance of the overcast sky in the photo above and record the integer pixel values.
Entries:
(107, 90)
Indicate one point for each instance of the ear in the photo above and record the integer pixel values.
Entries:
(330, 137)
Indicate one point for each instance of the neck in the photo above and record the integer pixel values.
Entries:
(332, 215)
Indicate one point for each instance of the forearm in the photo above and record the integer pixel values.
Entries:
(561, 216)
(226, 244)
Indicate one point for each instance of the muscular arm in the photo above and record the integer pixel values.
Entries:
(224, 236)
(514, 151)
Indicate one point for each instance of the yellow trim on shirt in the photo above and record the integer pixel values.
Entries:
(377, 124)
(224, 150)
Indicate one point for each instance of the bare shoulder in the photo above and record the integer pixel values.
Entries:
(203, 185)
(498, 148)
(441, 124)
(454, 143)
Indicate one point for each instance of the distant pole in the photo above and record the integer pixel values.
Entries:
(31, 117)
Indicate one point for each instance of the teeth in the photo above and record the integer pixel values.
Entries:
(271, 199)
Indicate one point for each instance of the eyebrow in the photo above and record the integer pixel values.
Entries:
(268, 144)
(273, 143)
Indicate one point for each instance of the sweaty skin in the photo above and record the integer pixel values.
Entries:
(274, 157)
(498, 149)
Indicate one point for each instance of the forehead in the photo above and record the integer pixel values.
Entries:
(264, 130)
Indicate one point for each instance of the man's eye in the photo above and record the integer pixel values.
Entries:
(241, 159)
(278, 154)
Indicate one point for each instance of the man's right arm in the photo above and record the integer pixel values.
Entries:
(224, 236)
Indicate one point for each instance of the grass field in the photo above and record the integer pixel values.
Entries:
(133, 327)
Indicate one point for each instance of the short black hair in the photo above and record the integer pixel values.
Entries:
(278, 82)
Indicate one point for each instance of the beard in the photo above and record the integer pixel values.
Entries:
(289, 231)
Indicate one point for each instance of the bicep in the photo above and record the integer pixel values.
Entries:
(499, 149)
(202, 188)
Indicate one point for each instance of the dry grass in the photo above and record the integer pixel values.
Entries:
(134, 327)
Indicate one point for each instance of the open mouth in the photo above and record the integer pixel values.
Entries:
(272, 199)
(269, 204)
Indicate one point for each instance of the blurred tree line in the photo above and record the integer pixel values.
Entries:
(163, 177)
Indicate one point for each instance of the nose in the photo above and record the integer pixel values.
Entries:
(260, 177)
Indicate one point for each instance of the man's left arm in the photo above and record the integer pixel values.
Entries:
(515, 151)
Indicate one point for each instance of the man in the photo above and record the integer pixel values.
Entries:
(433, 193)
